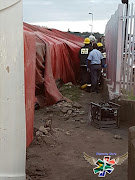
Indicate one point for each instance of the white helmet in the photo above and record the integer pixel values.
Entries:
(92, 38)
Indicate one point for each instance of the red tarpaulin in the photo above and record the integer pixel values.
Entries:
(61, 60)
(29, 68)
(48, 55)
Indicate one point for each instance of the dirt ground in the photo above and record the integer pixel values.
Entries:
(59, 154)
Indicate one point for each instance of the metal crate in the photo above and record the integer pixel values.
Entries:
(104, 116)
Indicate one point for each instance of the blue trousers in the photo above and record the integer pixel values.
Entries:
(95, 75)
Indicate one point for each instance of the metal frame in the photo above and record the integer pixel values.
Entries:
(96, 117)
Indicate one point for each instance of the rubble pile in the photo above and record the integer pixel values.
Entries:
(45, 129)
(67, 111)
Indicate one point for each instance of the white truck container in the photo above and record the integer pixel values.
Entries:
(12, 100)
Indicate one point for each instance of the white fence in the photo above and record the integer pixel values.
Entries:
(120, 49)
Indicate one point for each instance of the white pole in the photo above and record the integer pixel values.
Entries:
(92, 23)
(12, 102)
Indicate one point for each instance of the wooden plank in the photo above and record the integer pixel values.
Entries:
(104, 122)
(109, 119)
(108, 108)
(114, 127)
(108, 126)
(94, 104)
(104, 126)
(114, 104)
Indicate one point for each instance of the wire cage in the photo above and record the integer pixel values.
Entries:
(104, 115)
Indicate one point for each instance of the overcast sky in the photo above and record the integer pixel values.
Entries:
(72, 14)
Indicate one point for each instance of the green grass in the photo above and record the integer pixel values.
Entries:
(71, 92)
(131, 97)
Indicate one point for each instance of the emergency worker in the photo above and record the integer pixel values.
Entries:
(94, 64)
(102, 50)
(92, 39)
(83, 54)
(100, 47)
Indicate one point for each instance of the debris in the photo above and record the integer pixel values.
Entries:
(48, 110)
(39, 138)
(68, 133)
(48, 123)
(35, 130)
(28, 177)
(66, 116)
(50, 116)
(43, 129)
(67, 104)
(69, 112)
(77, 111)
(74, 114)
(82, 122)
(77, 105)
(54, 106)
(52, 145)
(77, 119)
(69, 84)
(48, 129)
(58, 129)
(64, 110)
(59, 105)
(39, 133)
(81, 112)
(117, 137)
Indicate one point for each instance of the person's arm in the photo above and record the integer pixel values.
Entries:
(89, 63)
